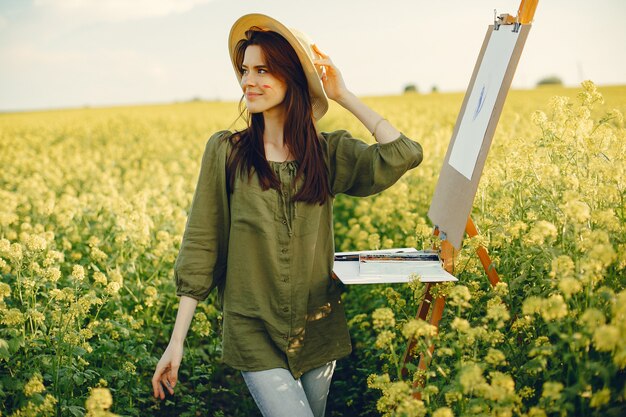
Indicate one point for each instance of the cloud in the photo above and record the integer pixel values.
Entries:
(118, 10)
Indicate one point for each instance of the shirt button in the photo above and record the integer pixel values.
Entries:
(284, 221)
(285, 337)
(286, 309)
(284, 250)
(285, 279)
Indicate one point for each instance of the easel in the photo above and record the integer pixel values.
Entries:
(448, 247)
(448, 256)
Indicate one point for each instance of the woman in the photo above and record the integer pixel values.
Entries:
(260, 225)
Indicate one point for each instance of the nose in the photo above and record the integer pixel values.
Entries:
(248, 80)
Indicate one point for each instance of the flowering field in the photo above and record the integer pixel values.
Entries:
(93, 205)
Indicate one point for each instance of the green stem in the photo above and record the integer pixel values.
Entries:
(394, 357)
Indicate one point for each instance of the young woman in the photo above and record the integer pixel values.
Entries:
(260, 228)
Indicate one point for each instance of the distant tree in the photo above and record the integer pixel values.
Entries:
(410, 88)
(434, 89)
(551, 80)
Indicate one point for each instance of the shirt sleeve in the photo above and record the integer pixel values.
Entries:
(359, 169)
(201, 262)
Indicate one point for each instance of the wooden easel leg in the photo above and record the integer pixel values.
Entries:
(485, 260)
(448, 256)
(425, 359)
(422, 313)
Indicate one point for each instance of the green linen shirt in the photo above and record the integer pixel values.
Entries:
(272, 258)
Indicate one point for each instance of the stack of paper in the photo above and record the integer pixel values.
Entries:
(395, 263)
(389, 266)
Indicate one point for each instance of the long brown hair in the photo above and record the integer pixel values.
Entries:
(300, 135)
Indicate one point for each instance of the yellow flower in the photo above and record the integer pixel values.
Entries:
(5, 290)
(495, 357)
(619, 357)
(100, 278)
(552, 390)
(5, 246)
(600, 398)
(34, 385)
(384, 338)
(36, 316)
(71, 338)
(532, 305)
(129, 367)
(100, 399)
(592, 318)
(201, 324)
(606, 219)
(113, 288)
(460, 296)
(374, 241)
(516, 229)
(570, 286)
(536, 412)
(606, 337)
(150, 291)
(116, 276)
(394, 298)
(78, 272)
(471, 377)
(86, 333)
(375, 381)
(526, 392)
(590, 95)
(554, 308)
(497, 312)
(502, 387)
(539, 118)
(562, 266)
(36, 243)
(4, 266)
(417, 328)
(540, 232)
(501, 289)
(15, 253)
(52, 274)
(93, 241)
(576, 211)
(443, 412)
(460, 325)
(13, 317)
(98, 255)
(383, 318)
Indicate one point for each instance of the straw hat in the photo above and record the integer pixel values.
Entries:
(300, 43)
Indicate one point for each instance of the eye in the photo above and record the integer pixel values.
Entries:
(243, 70)
(262, 71)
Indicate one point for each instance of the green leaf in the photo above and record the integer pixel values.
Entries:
(76, 410)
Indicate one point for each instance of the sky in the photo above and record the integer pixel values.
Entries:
(75, 53)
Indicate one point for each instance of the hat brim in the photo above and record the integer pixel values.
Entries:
(319, 101)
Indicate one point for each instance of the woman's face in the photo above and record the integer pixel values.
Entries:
(263, 91)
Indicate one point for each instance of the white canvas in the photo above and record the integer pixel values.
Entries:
(481, 102)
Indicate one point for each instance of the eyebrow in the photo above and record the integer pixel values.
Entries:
(254, 66)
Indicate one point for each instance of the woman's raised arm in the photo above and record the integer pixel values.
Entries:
(336, 90)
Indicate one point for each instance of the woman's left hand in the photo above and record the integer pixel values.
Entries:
(332, 80)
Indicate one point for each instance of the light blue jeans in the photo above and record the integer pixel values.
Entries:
(278, 394)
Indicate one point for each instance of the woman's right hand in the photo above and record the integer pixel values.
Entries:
(166, 374)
